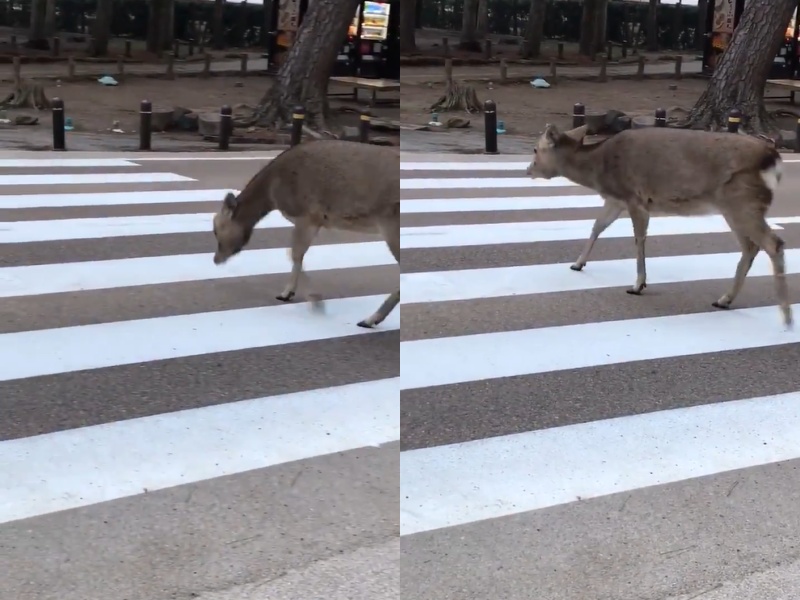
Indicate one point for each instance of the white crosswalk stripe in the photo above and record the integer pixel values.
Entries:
(523, 400)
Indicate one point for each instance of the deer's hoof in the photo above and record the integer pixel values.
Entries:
(285, 297)
(366, 325)
(577, 267)
(636, 290)
(722, 305)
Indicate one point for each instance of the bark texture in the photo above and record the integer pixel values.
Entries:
(101, 28)
(469, 27)
(741, 73)
(652, 26)
(303, 77)
(587, 43)
(408, 16)
(535, 30)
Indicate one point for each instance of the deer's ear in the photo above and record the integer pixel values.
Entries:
(578, 133)
(229, 202)
(551, 134)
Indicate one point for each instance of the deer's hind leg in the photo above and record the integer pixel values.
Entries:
(749, 252)
(303, 235)
(759, 235)
(390, 231)
(611, 212)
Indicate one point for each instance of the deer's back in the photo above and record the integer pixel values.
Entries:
(336, 184)
(680, 171)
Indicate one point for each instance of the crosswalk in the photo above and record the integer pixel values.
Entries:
(540, 406)
(161, 413)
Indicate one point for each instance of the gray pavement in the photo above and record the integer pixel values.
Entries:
(564, 440)
(170, 430)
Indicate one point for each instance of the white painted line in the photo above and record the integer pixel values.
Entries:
(81, 467)
(469, 284)
(97, 346)
(442, 361)
(91, 178)
(24, 163)
(200, 158)
(500, 476)
(483, 182)
(452, 205)
(464, 166)
(112, 198)
(17, 232)
(106, 274)
(443, 236)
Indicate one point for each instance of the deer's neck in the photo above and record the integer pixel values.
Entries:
(255, 201)
(583, 165)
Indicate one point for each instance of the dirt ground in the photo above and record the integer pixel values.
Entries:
(95, 108)
(525, 110)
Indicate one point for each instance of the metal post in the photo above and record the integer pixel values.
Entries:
(145, 124)
(59, 136)
(734, 120)
(490, 120)
(225, 126)
(363, 127)
(298, 117)
(661, 117)
(578, 115)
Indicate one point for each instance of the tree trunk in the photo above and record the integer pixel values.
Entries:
(101, 29)
(601, 25)
(408, 13)
(588, 28)
(37, 36)
(700, 26)
(469, 27)
(652, 26)
(482, 22)
(534, 33)
(50, 19)
(156, 16)
(218, 26)
(303, 77)
(741, 74)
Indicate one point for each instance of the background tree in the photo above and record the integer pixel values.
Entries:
(303, 77)
(652, 26)
(741, 74)
(534, 33)
(408, 17)
(469, 27)
(588, 44)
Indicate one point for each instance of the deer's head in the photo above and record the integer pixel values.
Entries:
(552, 146)
(231, 235)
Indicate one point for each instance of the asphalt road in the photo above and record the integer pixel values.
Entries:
(564, 440)
(169, 429)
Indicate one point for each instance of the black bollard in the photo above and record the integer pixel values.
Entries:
(490, 120)
(661, 117)
(59, 136)
(578, 115)
(145, 124)
(363, 127)
(225, 127)
(298, 117)
(734, 120)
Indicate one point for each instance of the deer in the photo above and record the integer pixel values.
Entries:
(322, 184)
(675, 172)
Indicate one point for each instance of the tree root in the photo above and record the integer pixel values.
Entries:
(27, 95)
(458, 97)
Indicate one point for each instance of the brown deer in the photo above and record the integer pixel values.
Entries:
(674, 172)
(329, 184)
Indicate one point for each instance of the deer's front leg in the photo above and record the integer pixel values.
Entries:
(640, 219)
(302, 236)
(611, 212)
